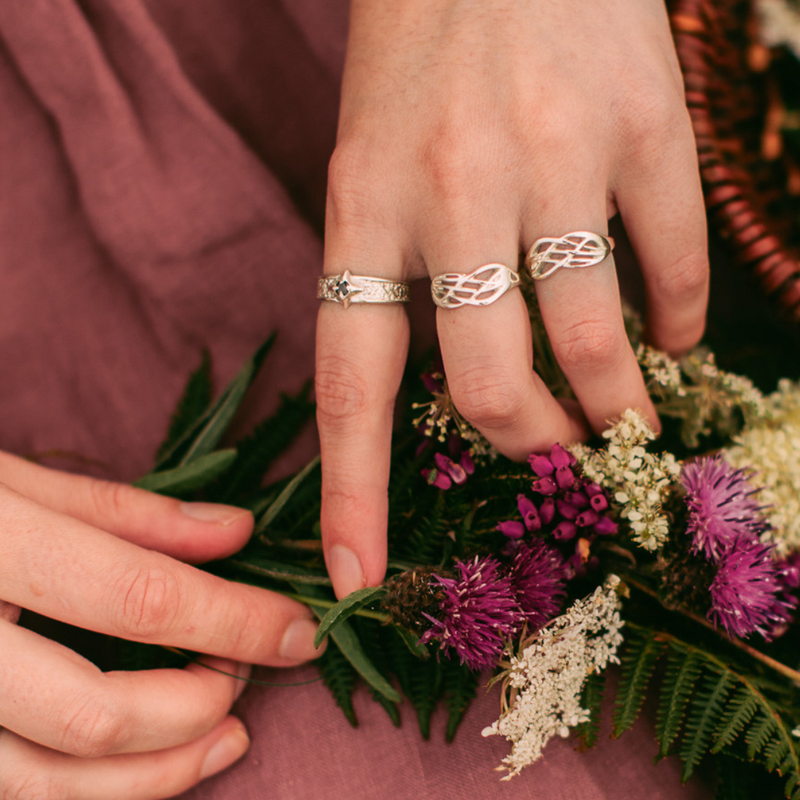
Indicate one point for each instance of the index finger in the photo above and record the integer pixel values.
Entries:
(361, 351)
(67, 570)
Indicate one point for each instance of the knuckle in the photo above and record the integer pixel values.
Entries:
(31, 785)
(149, 602)
(588, 346)
(341, 392)
(349, 171)
(488, 397)
(652, 116)
(685, 278)
(454, 162)
(109, 499)
(91, 727)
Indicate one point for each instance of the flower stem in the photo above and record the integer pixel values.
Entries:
(792, 674)
(322, 603)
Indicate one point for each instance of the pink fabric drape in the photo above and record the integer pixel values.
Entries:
(162, 171)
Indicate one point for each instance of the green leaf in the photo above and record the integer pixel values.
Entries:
(280, 501)
(759, 733)
(190, 476)
(411, 641)
(203, 436)
(638, 664)
(268, 440)
(267, 568)
(346, 608)
(193, 404)
(371, 634)
(347, 641)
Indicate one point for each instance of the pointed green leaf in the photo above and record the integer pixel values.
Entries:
(190, 476)
(347, 641)
(344, 609)
(278, 571)
(411, 641)
(226, 407)
(280, 501)
(191, 407)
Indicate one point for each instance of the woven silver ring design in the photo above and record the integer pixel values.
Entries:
(572, 251)
(347, 288)
(479, 288)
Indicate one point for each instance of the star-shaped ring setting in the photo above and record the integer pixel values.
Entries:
(347, 288)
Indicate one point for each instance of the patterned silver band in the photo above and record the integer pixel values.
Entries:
(573, 250)
(346, 288)
(480, 288)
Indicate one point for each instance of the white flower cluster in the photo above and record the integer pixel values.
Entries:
(779, 24)
(662, 372)
(545, 680)
(639, 481)
(769, 448)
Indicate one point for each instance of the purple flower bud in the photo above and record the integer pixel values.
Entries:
(565, 478)
(446, 465)
(599, 502)
(566, 510)
(605, 526)
(467, 464)
(586, 518)
(577, 499)
(547, 510)
(511, 528)
(565, 530)
(424, 446)
(437, 478)
(561, 457)
(529, 513)
(545, 486)
(593, 488)
(541, 465)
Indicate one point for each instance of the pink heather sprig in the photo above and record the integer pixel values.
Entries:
(565, 505)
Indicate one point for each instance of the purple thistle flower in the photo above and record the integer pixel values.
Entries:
(745, 590)
(538, 575)
(721, 506)
(478, 612)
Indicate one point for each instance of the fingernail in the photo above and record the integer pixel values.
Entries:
(231, 747)
(298, 641)
(213, 512)
(345, 569)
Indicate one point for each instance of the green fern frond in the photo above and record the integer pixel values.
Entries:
(592, 700)
(741, 708)
(340, 678)
(638, 664)
(704, 717)
(460, 688)
(370, 633)
(759, 733)
(683, 672)
(425, 543)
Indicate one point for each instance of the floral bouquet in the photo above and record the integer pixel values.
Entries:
(676, 556)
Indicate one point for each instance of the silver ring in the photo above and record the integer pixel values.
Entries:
(346, 288)
(573, 250)
(480, 288)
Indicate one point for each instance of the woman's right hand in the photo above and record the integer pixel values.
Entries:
(107, 557)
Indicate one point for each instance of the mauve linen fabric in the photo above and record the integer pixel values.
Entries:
(162, 172)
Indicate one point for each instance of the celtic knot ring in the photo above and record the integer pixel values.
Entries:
(480, 288)
(347, 288)
(573, 250)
